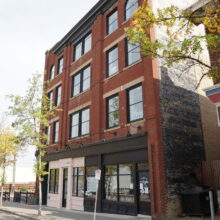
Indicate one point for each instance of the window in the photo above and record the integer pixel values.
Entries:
(78, 181)
(81, 81)
(90, 182)
(52, 72)
(58, 96)
(119, 182)
(112, 22)
(79, 123)
(126, 183)
(55, 131)
(135, 103)
(60, 66)
(111, 183)
(47, 132)
(132, 53)
(54, 181)
(218, 114)
(83, 46)
(113, 111)
(112, 61)
(50, 100)
(130, 7)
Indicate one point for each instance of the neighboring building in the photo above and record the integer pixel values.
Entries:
(123, 113)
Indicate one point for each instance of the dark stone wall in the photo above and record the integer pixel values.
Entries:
(181, 126)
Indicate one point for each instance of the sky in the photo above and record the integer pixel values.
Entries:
(28, 28)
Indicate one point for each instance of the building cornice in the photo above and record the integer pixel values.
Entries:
(83, 26)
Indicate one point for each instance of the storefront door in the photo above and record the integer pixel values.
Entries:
(143, 189)
(65, 180)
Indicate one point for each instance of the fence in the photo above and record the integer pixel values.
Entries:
(25, 197)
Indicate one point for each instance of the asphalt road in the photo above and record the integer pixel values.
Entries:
(6, 216)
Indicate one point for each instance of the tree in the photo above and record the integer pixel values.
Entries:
(182, 43)
(31, 113)
(8, 148)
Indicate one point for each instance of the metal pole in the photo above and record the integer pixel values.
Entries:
(211, 205)
(96, 199)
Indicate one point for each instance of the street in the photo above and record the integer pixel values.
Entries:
(6, 216)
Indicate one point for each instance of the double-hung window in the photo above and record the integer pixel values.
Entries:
(50, 100)
(79, 123)
(55, 131)
(112, 61)
(218, 115)
(58, 95)
(130, 7)
(52, 72)
(113, 111)
(60, 66)
(47, 132)
(83, 46)
(81, 81)
(54, 181)
(112, 22)
(132, 53)
(78, 181)
(135, 103)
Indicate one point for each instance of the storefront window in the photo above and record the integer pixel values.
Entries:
(54, 181)
(78, 181)
(126, 183)
(91, 182)
(111, 183)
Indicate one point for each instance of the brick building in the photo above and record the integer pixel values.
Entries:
(122, 113)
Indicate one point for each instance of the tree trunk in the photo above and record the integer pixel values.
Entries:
(13, 179)
(40, 188)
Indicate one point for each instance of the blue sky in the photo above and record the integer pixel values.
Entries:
(27, 29)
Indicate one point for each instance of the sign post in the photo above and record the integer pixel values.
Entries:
(97, 177)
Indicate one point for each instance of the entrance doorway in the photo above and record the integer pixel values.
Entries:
(65, 180)
(143, 189)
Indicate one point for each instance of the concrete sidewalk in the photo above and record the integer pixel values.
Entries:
(30, 212)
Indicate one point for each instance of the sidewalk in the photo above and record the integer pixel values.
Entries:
(30, 212)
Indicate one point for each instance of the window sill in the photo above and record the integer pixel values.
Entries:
(72, 98)
(111, 33)
(78, 138)
(56, 76)
(133, 123)
(133, 64)
(111, 129)
(115, 74)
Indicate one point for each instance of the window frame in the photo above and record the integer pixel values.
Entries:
(81, 83)
(48, 133)
(107, 110)
(82, 42)
(59, 70)
(79, 123)
(60, 96)
(55, 187)
(56, 132)
(107, 21)
(128, 103)
(125, 10)
(50, 75)
(218, 113)
(127, 54)
(50, 99)
(77, 182)
(107, 61)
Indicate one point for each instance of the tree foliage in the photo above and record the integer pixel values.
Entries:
(182, 43)
(31, 114)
